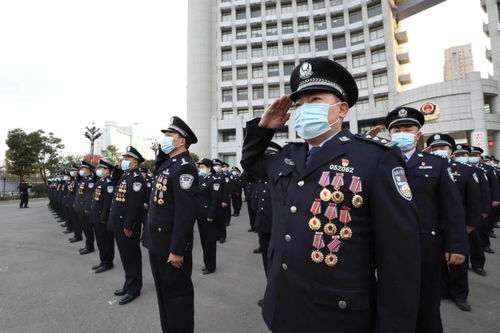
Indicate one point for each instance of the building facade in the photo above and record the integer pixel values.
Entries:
(458, 62)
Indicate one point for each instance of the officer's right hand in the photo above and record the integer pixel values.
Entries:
(209, 219)
(375, 131)
(277, 114)
(224, 205)
(484, 215)
(454, 258)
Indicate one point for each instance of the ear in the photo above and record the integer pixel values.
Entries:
(343, 110)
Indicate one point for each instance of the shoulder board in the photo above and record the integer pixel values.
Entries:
(375, 139)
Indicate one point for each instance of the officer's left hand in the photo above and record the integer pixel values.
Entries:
(128, 232)
(495, 203)
(470, 229)
(176, 260)
(145, 205)
(224, 205)
(87, 212)
(454, 258)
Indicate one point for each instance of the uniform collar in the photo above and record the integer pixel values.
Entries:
(309, 146)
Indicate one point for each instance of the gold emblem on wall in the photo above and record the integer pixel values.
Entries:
(430, 110)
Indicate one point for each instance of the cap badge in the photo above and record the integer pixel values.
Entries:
(437, 137)
(128, 149)
(459, 147)
(306, 71)
(403, 113)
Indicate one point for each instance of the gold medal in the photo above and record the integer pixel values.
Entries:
(357, 201)
(155, 198)
(164, 188)
(317, 256)
(337, 196)
(325, 195)
(345, 233)
(331, 260)
(160, 201)
(330, 229)
(158, 186)
(314, 223)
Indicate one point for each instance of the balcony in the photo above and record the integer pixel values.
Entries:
(487, 53)
(486, 29)
(403, 57)
(401, 37)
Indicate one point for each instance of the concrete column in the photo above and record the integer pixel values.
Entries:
(214, 138)
(239, 139)
(496, 143)
(353, 121)
(479, 135)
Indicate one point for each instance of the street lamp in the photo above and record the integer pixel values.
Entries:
(155, 146)
(92, 134)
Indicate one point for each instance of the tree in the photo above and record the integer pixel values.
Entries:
(194, 157)
(148, 164)
(46, 148)
(20, 158)
(111, 154)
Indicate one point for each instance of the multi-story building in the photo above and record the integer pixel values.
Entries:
(458, 62)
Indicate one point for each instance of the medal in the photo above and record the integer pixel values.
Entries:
(345, 233)
(345, 217)
(316, 255)
(334, 246)
(338, 182)
(356, 187)
(314, 222)
(160, 201)
(330, 213)
(331, 260)
(158, 186)
(164, 188)
(330, 229)
(324, 181)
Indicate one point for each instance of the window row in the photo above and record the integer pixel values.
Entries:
(273, 91)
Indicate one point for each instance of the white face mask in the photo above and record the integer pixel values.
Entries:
(440, 152)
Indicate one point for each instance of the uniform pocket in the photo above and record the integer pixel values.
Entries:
(342, 299)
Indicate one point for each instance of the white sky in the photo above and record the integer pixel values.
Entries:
(67, 63)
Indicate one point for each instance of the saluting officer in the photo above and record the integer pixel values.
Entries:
(441, 215)
(341, 211)
(83, 199)
(101, 204)
(209, 199)
(125, 222)
(168, 233)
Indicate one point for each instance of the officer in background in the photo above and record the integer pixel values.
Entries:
(100, 207)
(455, 283)
(487, 229)
(24, 193)
(168, 233)
(73, 190)
(227, 178)
(125, 222)
(251, 199)
(209, 199)
(149, 182)
(341, 211)
(222, 211)
(237, 189)
(441, 215)
(69, 200)
(83, 200)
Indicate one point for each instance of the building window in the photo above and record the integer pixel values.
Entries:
(336, 2)
(271, 10)
(241, 14)
(227, 95)
(319, 24)
(273, 70)
(321, 45)
(226, 36)
(288, 48)
(286, 8)
(255, 11)
(241, 33)
(229, 135)
(257, 72)
(355, 17)
(381, 103)
(337, 21)
(304, 47)
(357, 38)
(227, 114)
(256, 32)
(271, 30)
(302, 6)
(258, 93)
(227, 75)
(242, 94)
(362, 105)
(257, 52)
(241, 54)
(376, 33)
(287, 28)
(288, 89)
(243, 112)
(380, 79)
(281, 134)
(272, 50)
(338, 41)
(242, 73)
(358, 61)
(226, 16)
(226, 55)
(378, 56)
(374, 10)
(257, 111)
(288, 68)
(342, 61)
(318, 4)
(274, 91)
(362, 82)
(303, 26)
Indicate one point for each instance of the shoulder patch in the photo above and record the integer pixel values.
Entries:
(378, 140)
(110, 188)
(401, 182)
(216, 187)
(137, 186)
(91, 185)
(186, 181)
(450, 174)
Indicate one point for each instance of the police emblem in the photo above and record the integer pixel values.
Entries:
(91, 185)
(216, 187)
(306, 71)
(401, 182)
(227, 179)
(110, 189)
(137, 186)
(186, 181)
(402, 113)
(437, 137)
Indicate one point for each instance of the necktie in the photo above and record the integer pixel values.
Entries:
(311, 153)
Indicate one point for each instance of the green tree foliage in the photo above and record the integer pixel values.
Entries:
(20, 157)
(148, 164)
(194, 157)
(112, 155)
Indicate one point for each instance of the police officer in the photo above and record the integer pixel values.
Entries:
(441, 215)
(486, 230)
(341, 210)
(168, 233)
(227, 178)
(209, 199)
(237, 189)
(455, 283)
(23, 194)
(83, 200)
(125, 222)
(251, 199)
(71, 201)
(101, 203)
(222, 212)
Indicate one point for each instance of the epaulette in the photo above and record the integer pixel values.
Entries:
(375, 139)
(184, 162)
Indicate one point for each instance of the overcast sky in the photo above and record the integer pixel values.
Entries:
(65, 64)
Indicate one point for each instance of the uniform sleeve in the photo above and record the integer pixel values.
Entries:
(136, 190)
(185, 185)
(493, 181)
(485, 192)
(452, 214)
(256, 141)
(473, 201)
(108, 198)
(227, 189)
(215, 198)
(397, 246)
(88, 195)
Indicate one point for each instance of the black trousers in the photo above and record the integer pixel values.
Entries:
(227, 213)
(264, 239)
(130, 254)
(105, 243)
(175, 293)
(220, 222)
(251, 213)
(77, 226)
(236, 198)
(69, 219)
(208, 238)
(477, 258)
(24, 201)
(88, 230)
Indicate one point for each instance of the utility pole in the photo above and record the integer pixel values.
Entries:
(92, 134)
(155, 146)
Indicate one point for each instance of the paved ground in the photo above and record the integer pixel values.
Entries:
(46, 286)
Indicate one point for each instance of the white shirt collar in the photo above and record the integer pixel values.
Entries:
(324, 141)
(410, 153)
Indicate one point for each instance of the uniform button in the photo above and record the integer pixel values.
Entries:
(284, 266)
(264, 191)
(159, 229)
(433, 233)
(300, 183)
(288, 238)
(342, 305)
(293, 209)
(426, 176)
(262, 199)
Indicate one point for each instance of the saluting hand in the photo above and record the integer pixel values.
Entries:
(376, 130)
(277, 114)
(176, 260)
